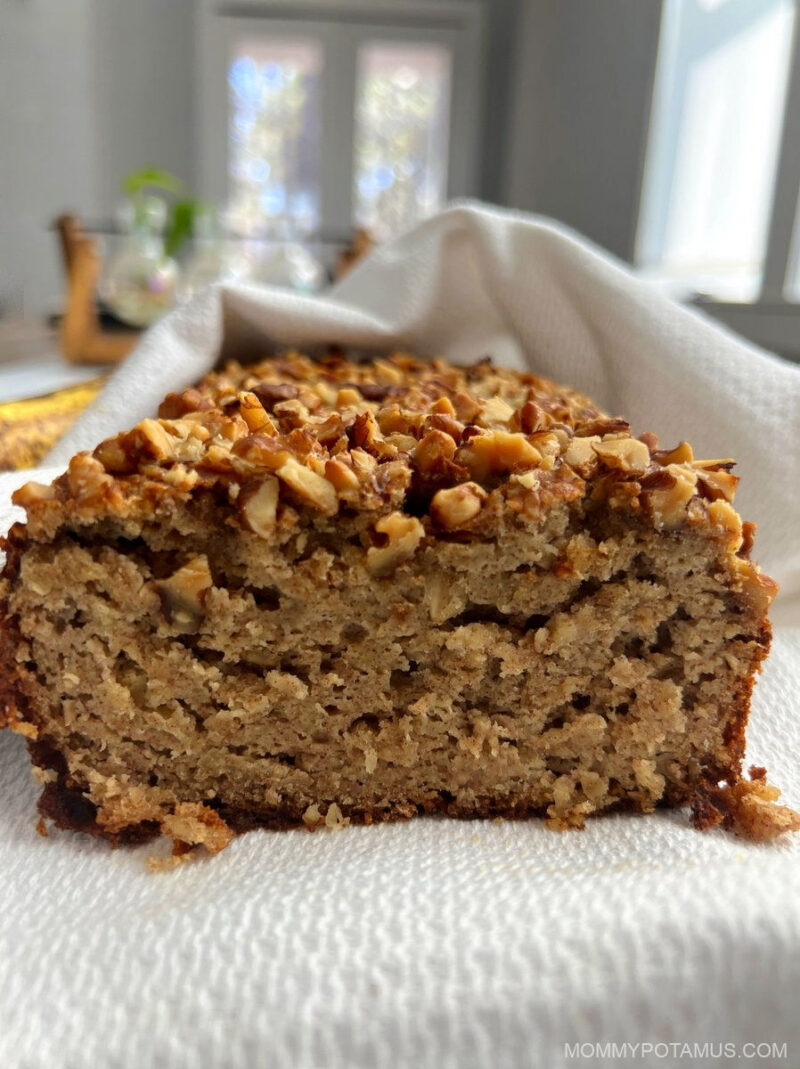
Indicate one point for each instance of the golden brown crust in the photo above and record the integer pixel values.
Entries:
(747, 807)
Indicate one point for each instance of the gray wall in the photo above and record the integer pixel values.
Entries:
(145, 69)
(502, 27)
(89, 90)
(580, 102)
(48, 152)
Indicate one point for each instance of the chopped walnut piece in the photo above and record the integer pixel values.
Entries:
(759, 589)
(254, 414)
(626, 454)
(362, 461)
(387, 374)
(33, 493)
(88, 481)
(153, 433)
(404, 534)
(260, 450)
(725, 516)
(403, 443)
(176, 405)
(349, 396)
(259, 507)
(444, 407)
(401, 421)
(668, 504)
(114, 457)
(495, 410)
(681, 454)
(270, 393)
(364, 432)
(467, 408)
(603, 426)
(456, 506)
(529, 418)
(435, 447)
(313, 488)
(496, 451)
(183, 594)
(718, 484)
(580, 453)
(291, 414)
(343, 479)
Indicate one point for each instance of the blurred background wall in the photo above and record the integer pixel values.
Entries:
(92, 89)
(561, 118)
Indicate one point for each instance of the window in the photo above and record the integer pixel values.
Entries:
(274, 135)
(310, 126)
(718, 216)
(721, 85)
(402, 119)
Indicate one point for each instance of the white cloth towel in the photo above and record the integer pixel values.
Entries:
(440, 943)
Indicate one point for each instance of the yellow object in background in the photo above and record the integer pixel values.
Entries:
(29, 428)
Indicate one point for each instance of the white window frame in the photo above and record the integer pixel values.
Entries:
(455, 24)
(773, 318)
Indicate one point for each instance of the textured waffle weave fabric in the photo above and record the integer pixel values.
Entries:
(439, 943)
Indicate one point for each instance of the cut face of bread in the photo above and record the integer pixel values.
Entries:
(320, 592)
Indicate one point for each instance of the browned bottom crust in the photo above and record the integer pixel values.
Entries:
(745, 807)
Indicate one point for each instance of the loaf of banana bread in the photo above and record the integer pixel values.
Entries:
(314, 592)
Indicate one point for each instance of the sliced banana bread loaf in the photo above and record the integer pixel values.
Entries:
(314, 592)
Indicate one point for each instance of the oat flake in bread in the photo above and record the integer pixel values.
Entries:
(321, 592)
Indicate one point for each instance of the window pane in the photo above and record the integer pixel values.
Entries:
(274, 132)
(402, 117)
(717, 117)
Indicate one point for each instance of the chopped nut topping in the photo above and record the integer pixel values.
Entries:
(313, 488)
(681, 454)
(254, 414)
(581, 454)
(387, 374)
(668, 504)
(456, 506)
(160, 443)
(260, 508)
(342, 478)
(349, 395)
(88, 481)
(718, 484)
(443, 407)
(270, 393)
(435, 447)
(403, 443)
(529, 418)
(725, 516)
(627, 454)
(496, 452)
(33, 493)
(495, 410)
(467, 408)
(261, 451)
(603, 426)
(370, 437)
(404, 534)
